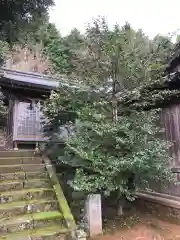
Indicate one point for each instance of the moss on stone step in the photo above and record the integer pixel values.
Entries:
(42, 232)
(10, 185)
(16, 184)
(30, 190)
(26, 194)
(70, 222)
(23, 180)
(12, 176)
(8, 206)
(23, 175)
(16, 220)
(22, 168)
(33, 205)
(29, 221)
(52, 231)
(47, 216)
(32, 217)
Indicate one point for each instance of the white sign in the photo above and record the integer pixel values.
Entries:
(94, 214)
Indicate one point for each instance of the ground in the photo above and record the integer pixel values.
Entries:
(140, 226)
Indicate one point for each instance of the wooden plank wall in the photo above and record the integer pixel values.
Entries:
(170, 121)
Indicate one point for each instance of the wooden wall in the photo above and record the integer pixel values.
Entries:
(170, 121)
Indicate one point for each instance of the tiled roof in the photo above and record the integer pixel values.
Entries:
(40, 81)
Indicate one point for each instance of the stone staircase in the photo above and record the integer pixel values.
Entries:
(32, 204)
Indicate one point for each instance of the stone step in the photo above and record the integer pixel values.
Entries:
(12, 176)
(20, 160)
(11, 168)
(34, 167)
(29, 209)
(37, 183)
(27, 194)
(20, 153)
(40, 175)
(51, 232)
(22, 168)
(30, 221)
(23, 176)
(32, 160)
(8, 210)
(9, 185)
(46, 233)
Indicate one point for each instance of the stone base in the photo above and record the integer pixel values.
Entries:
(81, 234)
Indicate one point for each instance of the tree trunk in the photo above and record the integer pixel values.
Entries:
(120, 209)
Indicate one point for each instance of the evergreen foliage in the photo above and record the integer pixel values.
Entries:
(19, 14)
(108, 156)
(111, 146)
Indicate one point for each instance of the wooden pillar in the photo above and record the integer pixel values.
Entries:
(15, 123)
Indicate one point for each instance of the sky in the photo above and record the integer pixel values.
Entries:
(153, 16)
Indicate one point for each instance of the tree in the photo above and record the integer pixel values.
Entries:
(122, 46)
(61, 51)
(4, 52)
(111, 147)
(15, 15)
(57, 49)
(32, 33)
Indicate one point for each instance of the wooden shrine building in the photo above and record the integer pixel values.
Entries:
(23, 95)
(160, 194)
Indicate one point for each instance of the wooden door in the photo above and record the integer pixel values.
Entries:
(28, 121)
